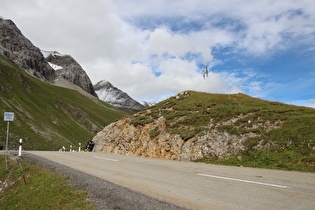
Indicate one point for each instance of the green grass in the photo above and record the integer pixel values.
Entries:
(48, 117)
(154, 132)
(34, 187)
(288, 143)
(285, 160)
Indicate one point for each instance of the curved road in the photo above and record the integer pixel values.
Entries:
(196, 185)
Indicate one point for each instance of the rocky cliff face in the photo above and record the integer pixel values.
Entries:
(21, 51)
(68, 68)
(124, 138)
(112, 95)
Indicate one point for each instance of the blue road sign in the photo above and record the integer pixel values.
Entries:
(8, 116)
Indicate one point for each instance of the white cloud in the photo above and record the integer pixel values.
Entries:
(162, 40)
(248, 81)
(306, 103)
(153, 49)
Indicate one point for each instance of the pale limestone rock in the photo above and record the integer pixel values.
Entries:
(122, 137)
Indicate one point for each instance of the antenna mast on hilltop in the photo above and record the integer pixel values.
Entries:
(206, 74)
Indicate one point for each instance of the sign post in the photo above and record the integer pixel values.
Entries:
(8, 117)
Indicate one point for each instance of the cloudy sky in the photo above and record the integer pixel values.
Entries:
(155, 49)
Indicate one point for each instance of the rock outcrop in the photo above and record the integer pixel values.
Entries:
(114, 96)
(122, 137)
(15, 46)
(68, 68)
(174, 129)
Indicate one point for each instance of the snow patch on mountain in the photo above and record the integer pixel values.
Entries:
(54, 66)
(53, 53)
(146, 104)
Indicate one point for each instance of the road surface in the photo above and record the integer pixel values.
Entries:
(196, 185)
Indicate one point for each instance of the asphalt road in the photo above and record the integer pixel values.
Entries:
(196, 185)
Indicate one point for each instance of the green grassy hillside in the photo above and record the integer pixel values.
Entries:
(31, 186)
(48, 117)
(280, 135)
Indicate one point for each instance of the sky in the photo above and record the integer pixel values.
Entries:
(153, 50)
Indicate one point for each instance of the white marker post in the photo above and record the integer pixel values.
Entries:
(20, 148)
(8, 117)
(79, 147)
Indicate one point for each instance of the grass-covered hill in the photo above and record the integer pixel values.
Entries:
(231, 129)
(48, 117)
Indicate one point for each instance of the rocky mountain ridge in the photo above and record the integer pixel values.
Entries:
(68, 68)
(53, 67)
(47, 116)
(114, 96)
(15, 46)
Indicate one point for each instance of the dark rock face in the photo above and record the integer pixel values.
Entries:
(112, 95)
(22, 52)
(71, 71)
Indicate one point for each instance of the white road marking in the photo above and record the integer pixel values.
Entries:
(105, 158)
(243, 180)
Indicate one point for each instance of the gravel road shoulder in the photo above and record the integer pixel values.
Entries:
(104, 194)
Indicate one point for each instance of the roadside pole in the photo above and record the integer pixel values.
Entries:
(8, 117)
(7, 138)
(20, 148)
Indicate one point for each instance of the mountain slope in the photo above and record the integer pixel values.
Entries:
(22, 52)
(48, 117)
(65, 66)
(230, 129)
(112, 95)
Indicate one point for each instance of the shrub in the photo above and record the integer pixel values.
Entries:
(141, 120)
(154, 132)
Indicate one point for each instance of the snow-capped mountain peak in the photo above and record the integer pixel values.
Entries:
(112, 95)
(53, 53)
(146, 104)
